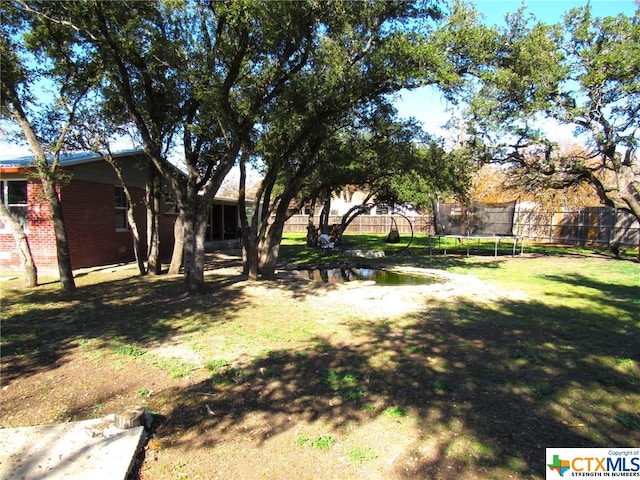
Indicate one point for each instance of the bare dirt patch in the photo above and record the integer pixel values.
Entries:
(286, 420)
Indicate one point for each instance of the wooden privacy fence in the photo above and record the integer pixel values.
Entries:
(367, 224)
(587, 226)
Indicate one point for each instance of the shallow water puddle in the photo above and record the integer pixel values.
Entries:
(380, 277)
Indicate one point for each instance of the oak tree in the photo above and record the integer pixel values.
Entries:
(583, 73)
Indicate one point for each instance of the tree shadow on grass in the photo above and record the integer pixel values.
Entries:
(625, 297)
(490, 386)
(298, 256)
(43, 325)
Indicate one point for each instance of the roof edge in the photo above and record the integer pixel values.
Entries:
(66, 159)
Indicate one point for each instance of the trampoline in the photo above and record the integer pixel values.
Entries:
(476, 221)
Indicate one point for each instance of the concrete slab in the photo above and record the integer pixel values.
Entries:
(93, 449)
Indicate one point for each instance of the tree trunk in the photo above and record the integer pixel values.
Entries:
(324, 215)
(188, 223)
(249, 234)
(46, 174)
(258, 259)
(250, 254)
(312, 234)
(269, 247)
(312, 231)
(153, 222)
(353, 213)
(178, 247)
(194, 227)
(29, 270)
(67, 283)
(138, 250)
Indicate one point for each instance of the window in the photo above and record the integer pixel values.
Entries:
(121, 209)
(13, 193)
(382, 210)
(169, 200)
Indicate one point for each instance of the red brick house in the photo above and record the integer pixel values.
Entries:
(94, 209)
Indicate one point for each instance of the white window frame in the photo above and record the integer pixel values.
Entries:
(24, 220)
(120, 209)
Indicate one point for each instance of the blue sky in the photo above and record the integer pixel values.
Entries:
(427, 105)
(551, 11)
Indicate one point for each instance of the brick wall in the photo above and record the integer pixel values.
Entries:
(40, 228)
(89, 213)
(167, 222)
(39, 234)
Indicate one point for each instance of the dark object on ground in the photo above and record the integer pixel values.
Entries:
(615, 249)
